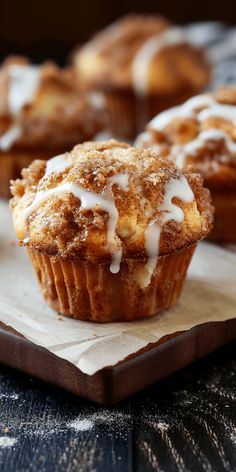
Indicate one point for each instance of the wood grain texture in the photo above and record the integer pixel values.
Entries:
(114, 383)
(185, 423)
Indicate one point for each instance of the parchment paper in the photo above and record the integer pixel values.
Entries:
(209, 295)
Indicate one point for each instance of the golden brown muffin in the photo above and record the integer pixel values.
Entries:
(41, 114)
(144, 65)
(200, 136)
(110, 229)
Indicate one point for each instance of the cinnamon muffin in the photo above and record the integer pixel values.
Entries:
(110, 229)
(41, 114)
(144, 65)
(200, 136)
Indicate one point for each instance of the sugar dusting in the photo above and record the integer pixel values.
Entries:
(113, 419)
(10, 396)
(6, 441)
(165, 422)
(81, 424)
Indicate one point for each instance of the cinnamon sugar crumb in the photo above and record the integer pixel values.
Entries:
(60, 227)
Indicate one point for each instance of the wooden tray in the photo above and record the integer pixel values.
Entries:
(115, 383)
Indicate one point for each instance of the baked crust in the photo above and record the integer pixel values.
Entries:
(207, 146)
(107, 59)
(59, 115)
(60, 226)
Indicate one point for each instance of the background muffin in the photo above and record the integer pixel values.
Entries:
(143, 64)
(200, 135)
(110, 229)
(41, 114)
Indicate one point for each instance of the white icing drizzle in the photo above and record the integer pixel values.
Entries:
(163, 119)
(179, 153)
(198, 102)
(56, 164)
(24, 81)
(227, 112)
(188, 110)
(200, 107)
(178, 188)
(141, 139)
(10, 137)
(89, 200)
(170, 37)
(23, 84)
(152, 240)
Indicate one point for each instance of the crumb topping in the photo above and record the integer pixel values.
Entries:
(199, 135)
(99, 200)
(41, 107)
(132, 52)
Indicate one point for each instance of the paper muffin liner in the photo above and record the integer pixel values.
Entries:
(129, 113)
(89, 291)
(224, 229)
(11, 164)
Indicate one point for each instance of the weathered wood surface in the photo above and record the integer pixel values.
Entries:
(186, 423)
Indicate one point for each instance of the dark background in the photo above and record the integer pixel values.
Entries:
(52, 28)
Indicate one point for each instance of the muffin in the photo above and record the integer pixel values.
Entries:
(110, 229)
(143, 64)
(200, 136)
(41, 114)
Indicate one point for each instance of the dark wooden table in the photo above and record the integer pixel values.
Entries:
(185, 423)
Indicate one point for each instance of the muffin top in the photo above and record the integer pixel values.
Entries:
(199, 135)
(109, 202)
(145, 53)
(41, 107)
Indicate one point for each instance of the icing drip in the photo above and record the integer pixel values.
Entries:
(10, 137)
(163, 119)
(141, 139)
(199, 108)
(175, 188)
(89, 200)
(209, 108)
(188, 110)
(23, 85)
(179, 153)
(56, 164)
(198, 102)
(152, 47)
(152, 240)
(227, 112)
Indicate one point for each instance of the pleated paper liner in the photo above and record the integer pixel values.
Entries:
(89, 291)
(225, 217)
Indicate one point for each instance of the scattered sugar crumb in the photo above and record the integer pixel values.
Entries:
(10, 396)
(162, 426)
(114, 420)
(233, 436)
(81, 425)
(5, 441)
